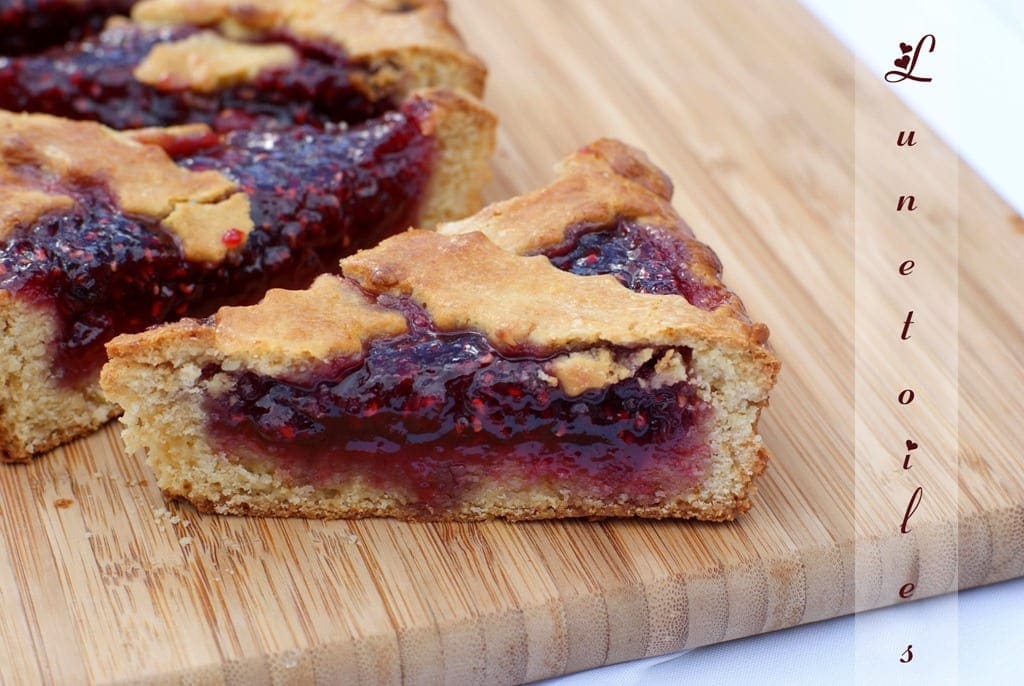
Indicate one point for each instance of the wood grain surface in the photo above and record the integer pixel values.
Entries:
(781, 152)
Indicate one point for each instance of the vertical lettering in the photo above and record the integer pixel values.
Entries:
(905, 64)
(905, 336)
(906, 139)
(907, 200)
(915, 500)
(911, 446)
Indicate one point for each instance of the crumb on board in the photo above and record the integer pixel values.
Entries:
(162, 514)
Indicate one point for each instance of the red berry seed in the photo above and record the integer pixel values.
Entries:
(232, 238)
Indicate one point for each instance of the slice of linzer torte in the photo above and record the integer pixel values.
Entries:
(571, 352)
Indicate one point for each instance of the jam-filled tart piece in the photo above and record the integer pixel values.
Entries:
(571, 352)
(104, 232)
(228, 62)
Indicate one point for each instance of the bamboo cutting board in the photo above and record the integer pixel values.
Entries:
(764, 125)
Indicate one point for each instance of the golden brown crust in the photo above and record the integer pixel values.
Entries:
(143, 179)
(464, 133)
(201, 227)
(578, 372)
(286, 331)
(623, 160)
(14, 450)
(206, 62)
(406, 45)
(169, 137)
(602, 183)
(526, 303)
(529, 223)
(358, 26)
(20, 204)
(329, 320)
(318, 506)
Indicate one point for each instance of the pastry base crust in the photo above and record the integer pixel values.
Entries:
(36, 412)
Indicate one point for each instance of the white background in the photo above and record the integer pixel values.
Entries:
(983, 119)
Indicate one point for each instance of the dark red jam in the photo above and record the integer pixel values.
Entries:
(429, 414)
(93, 80)
(315, 195)
(34, 25)
(643, 258)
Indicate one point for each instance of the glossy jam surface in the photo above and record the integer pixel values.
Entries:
(103, 272)
(315, 194)
(34, 25)
(93, 80)
(429, 414)
(642, 258)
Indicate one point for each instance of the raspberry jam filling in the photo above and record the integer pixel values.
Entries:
(93, 80)
(429, 414)
(643, 258)
(33, 25)
(315, 194)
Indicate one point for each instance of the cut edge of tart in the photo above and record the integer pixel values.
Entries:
(471, 373)
(35, 413)
(38, 411)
